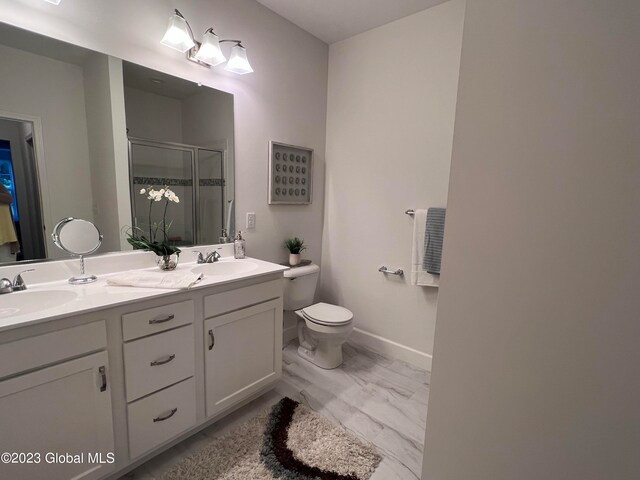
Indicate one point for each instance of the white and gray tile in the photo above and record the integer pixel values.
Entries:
(379, 399)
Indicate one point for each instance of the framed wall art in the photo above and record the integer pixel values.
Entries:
(290, 174)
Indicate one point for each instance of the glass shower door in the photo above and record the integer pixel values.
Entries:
(211, 204)
(160, 165)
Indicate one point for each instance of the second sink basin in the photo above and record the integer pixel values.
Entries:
(20, 303)
(226, 267)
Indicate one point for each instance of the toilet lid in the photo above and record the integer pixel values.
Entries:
(327, 314)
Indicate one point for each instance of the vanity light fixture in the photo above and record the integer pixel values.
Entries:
(55, 2)
(207, 53)
(238, 62)
(178, 35)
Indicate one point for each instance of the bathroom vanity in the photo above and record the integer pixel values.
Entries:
(118, 374)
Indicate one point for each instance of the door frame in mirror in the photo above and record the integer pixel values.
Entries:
(41, 172)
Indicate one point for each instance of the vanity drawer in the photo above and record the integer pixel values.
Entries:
(155, 362)
(159, 417)
(158, 319)
(241, 297)
(48, 348)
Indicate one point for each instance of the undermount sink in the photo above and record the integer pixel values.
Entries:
(20, 303)
(226, 267)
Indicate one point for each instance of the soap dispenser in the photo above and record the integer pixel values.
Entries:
(239, 246)
(224, 238)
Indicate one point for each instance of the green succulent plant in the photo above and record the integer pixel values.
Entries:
(295, 245)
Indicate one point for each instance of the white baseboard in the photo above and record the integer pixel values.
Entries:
(392, 349)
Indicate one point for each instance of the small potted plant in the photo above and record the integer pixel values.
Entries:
(157, 242)
(295, 246)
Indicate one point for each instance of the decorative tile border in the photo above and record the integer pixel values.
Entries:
(157, 181)
(182, 182)
(212, 182)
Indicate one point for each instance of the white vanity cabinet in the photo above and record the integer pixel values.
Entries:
(130, 380)
(240, 356)
(243, 348)
(159, 365)
(58, 410)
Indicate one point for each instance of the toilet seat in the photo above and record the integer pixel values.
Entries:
(327, 314)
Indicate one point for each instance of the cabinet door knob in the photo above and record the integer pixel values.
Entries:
(103, 378)
(167, 318)
(166, 417)
(212, 340)
(155, 363)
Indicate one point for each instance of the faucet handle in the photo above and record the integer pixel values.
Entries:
(18, 282)
(5, 286)
(200, 257)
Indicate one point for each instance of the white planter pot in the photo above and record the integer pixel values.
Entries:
(294, 259)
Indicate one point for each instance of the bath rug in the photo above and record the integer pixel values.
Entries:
(287, 442)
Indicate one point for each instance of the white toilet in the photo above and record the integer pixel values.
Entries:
(322, 327)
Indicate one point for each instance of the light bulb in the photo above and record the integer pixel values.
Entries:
(238, 62)
(177, 35)
(210, 52)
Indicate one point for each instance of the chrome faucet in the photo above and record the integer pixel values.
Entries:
(209, 258)
(7, 286)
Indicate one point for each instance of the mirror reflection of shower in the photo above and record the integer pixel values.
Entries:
(196, 175)
(180, 136)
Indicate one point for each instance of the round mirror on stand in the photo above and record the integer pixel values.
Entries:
(79, 238)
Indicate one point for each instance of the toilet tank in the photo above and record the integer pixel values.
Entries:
(300, 286)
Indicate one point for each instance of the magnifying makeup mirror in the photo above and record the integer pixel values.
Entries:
(78, 238)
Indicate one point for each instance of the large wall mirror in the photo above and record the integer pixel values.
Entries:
(82, 133)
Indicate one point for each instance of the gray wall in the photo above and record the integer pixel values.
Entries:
(536, 361)
(391, 107)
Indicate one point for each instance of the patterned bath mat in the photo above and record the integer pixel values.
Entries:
(287, 442)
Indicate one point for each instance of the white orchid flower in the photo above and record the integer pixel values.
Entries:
(143, 191)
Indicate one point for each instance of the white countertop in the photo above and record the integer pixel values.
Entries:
(99, 295)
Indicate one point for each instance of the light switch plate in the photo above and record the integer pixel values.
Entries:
(251, 220)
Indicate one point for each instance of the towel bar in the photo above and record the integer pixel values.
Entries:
(384, 269)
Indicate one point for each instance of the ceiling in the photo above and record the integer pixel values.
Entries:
(335, 20)
(152, 81)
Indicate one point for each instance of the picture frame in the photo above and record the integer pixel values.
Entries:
(290, 174)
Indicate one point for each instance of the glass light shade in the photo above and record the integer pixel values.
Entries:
(55, 2)
(209, 52)
(177, 35)
(238, 62)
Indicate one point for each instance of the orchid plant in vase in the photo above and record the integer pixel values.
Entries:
(157, 240)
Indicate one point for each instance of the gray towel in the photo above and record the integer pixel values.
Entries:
(433, 239)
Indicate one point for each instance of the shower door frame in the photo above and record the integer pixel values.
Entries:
(195, 177)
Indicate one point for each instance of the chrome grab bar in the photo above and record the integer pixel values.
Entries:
(398, 272)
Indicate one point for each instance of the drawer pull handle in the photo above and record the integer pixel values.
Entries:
(166, 417)
(155, 363)
(168, 318)
(212, 339)
(103, 379)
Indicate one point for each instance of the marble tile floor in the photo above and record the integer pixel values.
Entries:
(381, 400)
